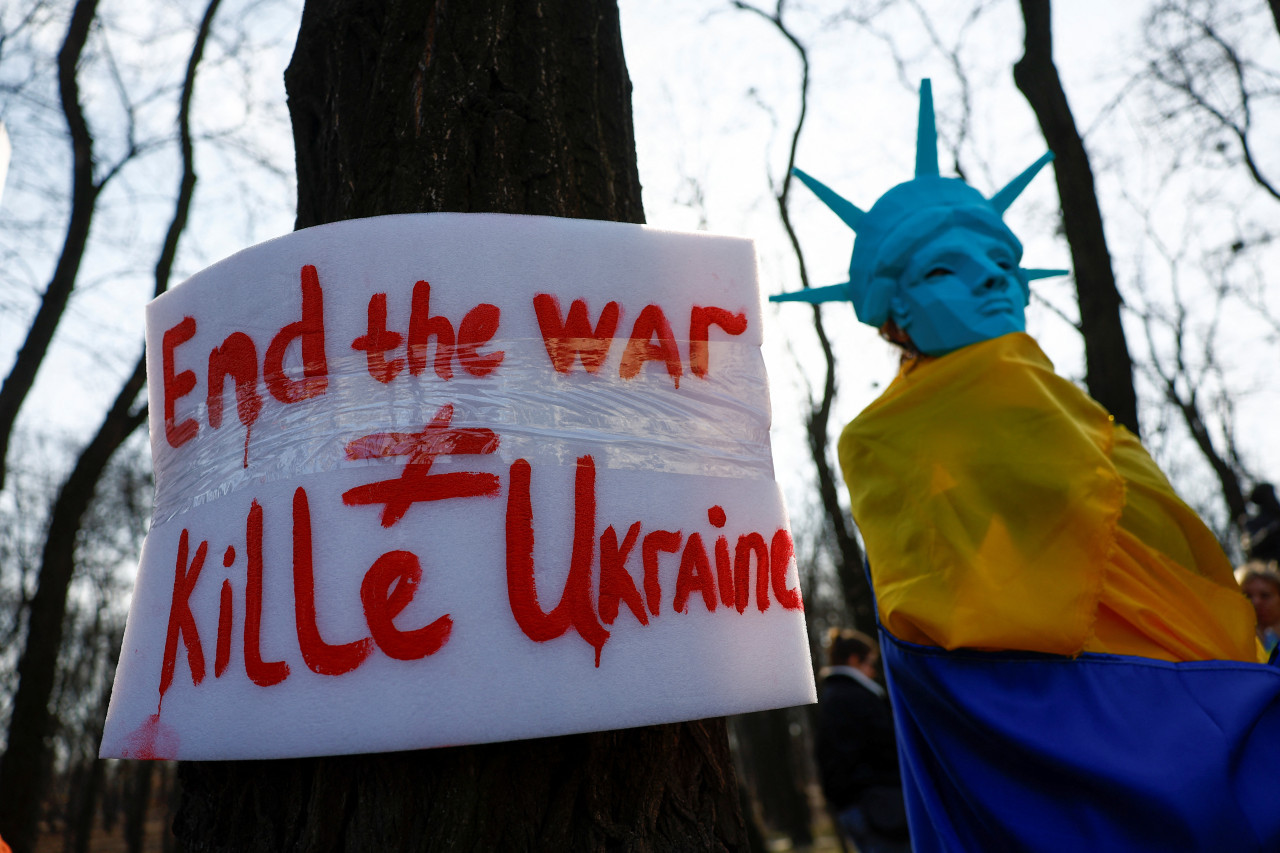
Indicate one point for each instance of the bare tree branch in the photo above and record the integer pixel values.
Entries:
(21, 769)
(1181, 384)
(84, 196)
(818, 420)
(1182, 33)
(1108, 366)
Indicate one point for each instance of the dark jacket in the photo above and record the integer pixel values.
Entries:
(1262, 536)
(856, 750)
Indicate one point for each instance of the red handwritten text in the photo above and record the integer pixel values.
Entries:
(572, 337)
(575, 608)
(389, 585)
(416, 483)
(237, 358)
(477, 328)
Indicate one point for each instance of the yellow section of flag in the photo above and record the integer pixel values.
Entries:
(1002, 508)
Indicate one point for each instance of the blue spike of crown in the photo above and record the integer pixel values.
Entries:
(830, 293)
(1002, 199)
(849, 213)
(926, 134)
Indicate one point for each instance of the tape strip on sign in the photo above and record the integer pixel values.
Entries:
(446, 478)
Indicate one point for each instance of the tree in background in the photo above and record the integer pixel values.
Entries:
(1198, 53)
(497, 106)
(65, 665)
(847, 553)
(1108, 366)
(87, 183)
(1178, 135)
(1211, 84)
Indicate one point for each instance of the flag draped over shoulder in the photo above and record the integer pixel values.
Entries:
(1072, 663)
(1004, 509)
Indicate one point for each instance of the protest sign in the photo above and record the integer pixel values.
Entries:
(437, 479)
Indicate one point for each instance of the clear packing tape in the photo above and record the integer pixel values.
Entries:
(669, 324)
(714, 428)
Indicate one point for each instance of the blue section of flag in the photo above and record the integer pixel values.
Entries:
(1010, 751)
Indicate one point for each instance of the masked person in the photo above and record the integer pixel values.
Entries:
(1071, 661)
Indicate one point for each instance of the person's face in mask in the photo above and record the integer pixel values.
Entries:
(959, 288)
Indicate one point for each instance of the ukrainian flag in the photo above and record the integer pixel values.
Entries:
(1072, 664)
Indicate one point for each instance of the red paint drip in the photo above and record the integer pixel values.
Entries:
(152, 741)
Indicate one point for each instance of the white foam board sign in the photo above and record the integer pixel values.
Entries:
(439, 479)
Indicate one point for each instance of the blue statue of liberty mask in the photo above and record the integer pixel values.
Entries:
(933, 254)
(962, 285)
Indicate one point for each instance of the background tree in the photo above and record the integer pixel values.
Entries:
(25, 762)
(1213, 89)
(1215, 63)
(87, 183)
(838, 526)
(70, 526)
(1108, 365)
(487, 106)
(1188, 303)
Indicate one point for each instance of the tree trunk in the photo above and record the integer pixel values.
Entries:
(30, 723)
(112, 799)
(137, 803)
(847, 555)
(85, 800)
(1108, 367)
(1228, 478)
(170, 795)
(22, 771)
(850, 560)
(488, 106)
(491, 105)
(772, 762)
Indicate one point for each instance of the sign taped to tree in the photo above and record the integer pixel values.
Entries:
(438, 479)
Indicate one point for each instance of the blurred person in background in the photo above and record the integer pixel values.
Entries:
(856, 749)
(1262, 529)
(1261, 585)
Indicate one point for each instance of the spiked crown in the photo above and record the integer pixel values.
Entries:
(907, 210)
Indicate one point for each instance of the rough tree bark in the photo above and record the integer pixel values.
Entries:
(491, 105)
(1108, 366)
